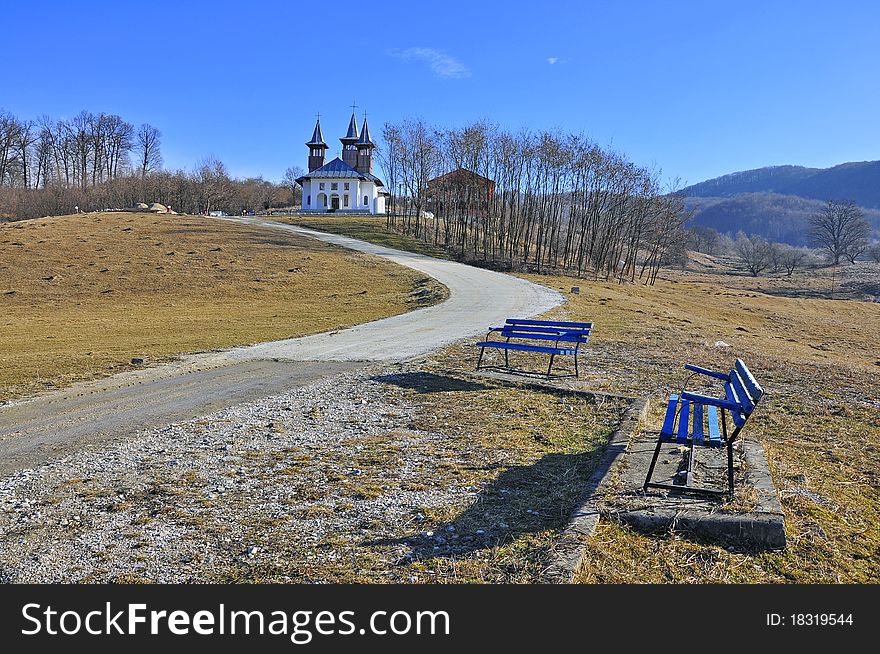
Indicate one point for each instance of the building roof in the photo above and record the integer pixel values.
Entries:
(352, 134)
(461, 175)
(338, 169)
(365, 135)
(317, 135)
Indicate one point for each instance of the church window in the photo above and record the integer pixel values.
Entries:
(309, 201)
(321, 185)
(334, 186)
(345, 200)
(366, 200)
(345, 186)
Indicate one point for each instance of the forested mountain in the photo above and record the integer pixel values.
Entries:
(856, 181)
(776, 202)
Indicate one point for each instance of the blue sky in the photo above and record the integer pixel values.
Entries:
(698, 89)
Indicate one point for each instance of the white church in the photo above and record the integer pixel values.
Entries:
(345, 185)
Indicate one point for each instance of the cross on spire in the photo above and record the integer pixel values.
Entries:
(353, 106)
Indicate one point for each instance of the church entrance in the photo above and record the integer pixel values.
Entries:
(334, 203)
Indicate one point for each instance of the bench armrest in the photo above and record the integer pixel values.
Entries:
(714, 401)
(707, 372)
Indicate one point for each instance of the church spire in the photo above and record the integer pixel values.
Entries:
(365, 133)
(349, 149)
(365, 147)
(352, 129)
(317, 135)
(317, 147)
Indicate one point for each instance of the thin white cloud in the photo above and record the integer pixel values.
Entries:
(440, 63)
(552, 60)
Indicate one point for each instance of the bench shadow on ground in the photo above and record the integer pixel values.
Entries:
(522, 499)
(426, 382)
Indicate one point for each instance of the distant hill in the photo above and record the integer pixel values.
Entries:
(858, 181)
(776, 202)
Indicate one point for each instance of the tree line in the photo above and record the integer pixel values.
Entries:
(79, 152)
(99, 161)
(550, 201)
(839, 230)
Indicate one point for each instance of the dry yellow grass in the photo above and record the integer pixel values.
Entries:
(81, 295)
(818, 361)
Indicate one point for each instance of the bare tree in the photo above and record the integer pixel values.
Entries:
(291, 174)
(840, 229)
(790, 258)
(9, 138)
(754, 252)
(149, 154)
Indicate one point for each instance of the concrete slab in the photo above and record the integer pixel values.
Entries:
(754, 519)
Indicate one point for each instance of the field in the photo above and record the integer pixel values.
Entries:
(421, 472)
(819, 361)
(80, 296)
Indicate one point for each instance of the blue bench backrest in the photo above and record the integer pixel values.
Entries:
(550, 323)
(743, 389)
(548, 327)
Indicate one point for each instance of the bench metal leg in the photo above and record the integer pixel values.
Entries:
(730, 467)
(653, 463)
(480, 359)
(729, 440)
(689, 479)
(550, 367)
(576, 373)
(506, 360)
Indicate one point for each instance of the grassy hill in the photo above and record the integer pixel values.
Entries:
(81, 295)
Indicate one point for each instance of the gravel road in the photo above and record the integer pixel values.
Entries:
(62, 422)
(477, 298)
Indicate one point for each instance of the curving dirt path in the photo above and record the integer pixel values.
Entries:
(477, 298)
(61, 422)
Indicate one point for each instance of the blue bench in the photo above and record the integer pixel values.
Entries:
(553, 337)
(693, 419)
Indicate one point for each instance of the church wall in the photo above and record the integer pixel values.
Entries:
(357, 190)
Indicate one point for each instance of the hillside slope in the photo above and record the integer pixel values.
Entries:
(776, 202)
(782, 218)
(856, 181)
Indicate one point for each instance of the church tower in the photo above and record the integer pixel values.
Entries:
(365, 147)
(317, 148)
(349, 143)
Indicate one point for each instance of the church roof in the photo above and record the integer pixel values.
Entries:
(365, 134)
(338, 169)
(352, 134)
(317, 135)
